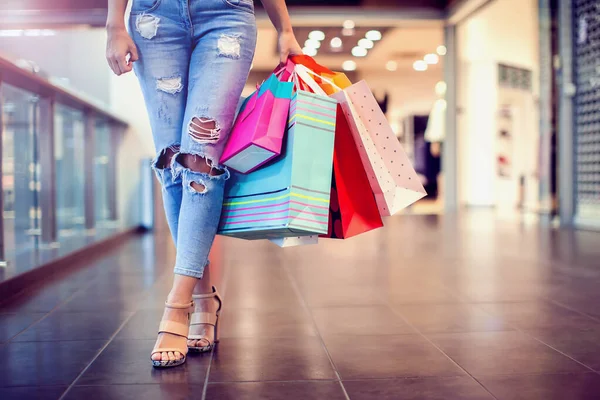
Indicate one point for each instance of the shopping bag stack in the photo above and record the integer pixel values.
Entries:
(332, 171)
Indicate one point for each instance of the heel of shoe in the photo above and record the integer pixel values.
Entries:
(218, 329)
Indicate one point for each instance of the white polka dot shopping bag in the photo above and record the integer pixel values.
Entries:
(393, 179)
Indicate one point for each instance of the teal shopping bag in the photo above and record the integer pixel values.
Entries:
(289, 196)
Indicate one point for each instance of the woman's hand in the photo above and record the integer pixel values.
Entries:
(120, 45)
(288, 46)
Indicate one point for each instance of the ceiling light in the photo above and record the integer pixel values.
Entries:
(336, 43)
(359, 51)
(315, 44)
(310, 51)
(347, 32)
(441, 50)
(366, 43)
(420, 65)
(373, 35)
(431, 58)
(391, 66)
(316, 35)
(349, 65)
(349, 24)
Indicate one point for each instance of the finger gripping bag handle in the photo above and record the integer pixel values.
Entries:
(284, 70)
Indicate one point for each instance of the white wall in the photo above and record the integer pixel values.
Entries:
(76, 55)
(506, 31)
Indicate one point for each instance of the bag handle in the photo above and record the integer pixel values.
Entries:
(288, 66)
(305, 74)
(301, 74)
(310, 63)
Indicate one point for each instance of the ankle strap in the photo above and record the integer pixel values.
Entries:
(179, 305)
(215, 293)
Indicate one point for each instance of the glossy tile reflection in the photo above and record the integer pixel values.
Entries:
(429, 308)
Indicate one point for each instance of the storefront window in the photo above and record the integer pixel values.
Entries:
(20, 171)
(70, 166)
(101, 173)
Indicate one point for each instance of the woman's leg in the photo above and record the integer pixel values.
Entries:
(224, 44)
(165, 47)
(162, 69)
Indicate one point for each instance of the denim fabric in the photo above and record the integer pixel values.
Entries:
(194, 59)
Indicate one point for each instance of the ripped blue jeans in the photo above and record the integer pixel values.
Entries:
(194, 60)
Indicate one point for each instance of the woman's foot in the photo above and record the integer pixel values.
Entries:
(204, 321)
(171, 345)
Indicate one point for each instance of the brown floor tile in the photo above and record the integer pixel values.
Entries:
(143, 325)
(407, 293)
(388, 356)
(256, 322)
(342, 296)
(45, 363)
(359, 320)
(503, 292)
(546, 387)
(270, 359)
(128, 362)
(12, 324)
(330, 390)
(444, 318)
(454, 388)
(37, 393)
(262, 298)
(540, 314)
(163, 391)
(496, 353)
(74, 326)
(581, 344)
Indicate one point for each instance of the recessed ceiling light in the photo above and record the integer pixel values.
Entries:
(373, 35)
(391, 66)
(359, 51)
(431, 58)
(441, 50)
(366, 43)
(349, 65)
(310, 51)
(316, 35)
(347, 32)
(420, 65)
(315, 44)
(336, 43)
(348, 24)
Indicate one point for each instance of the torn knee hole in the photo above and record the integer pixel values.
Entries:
(204, 130)
(198, 163)
(166, 156)
(198, 187)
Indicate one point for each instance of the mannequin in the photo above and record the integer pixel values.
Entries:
(436, 128)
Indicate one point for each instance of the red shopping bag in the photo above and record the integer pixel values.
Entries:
(352, 209)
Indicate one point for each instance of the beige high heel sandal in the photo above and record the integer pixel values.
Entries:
(205, 318)
(174, 328)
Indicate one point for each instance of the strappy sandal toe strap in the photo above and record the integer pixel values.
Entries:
(206, 319)
(173, 328)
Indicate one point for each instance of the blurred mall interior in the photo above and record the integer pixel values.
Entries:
(485, 289)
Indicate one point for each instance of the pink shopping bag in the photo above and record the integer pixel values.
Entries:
(392, 177)
(257, 133)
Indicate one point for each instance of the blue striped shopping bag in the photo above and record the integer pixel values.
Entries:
(289, 196)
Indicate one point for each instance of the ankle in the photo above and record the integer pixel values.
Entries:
(178, 298)
(203, 290)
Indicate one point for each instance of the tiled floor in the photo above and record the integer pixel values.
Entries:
(427, 308)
